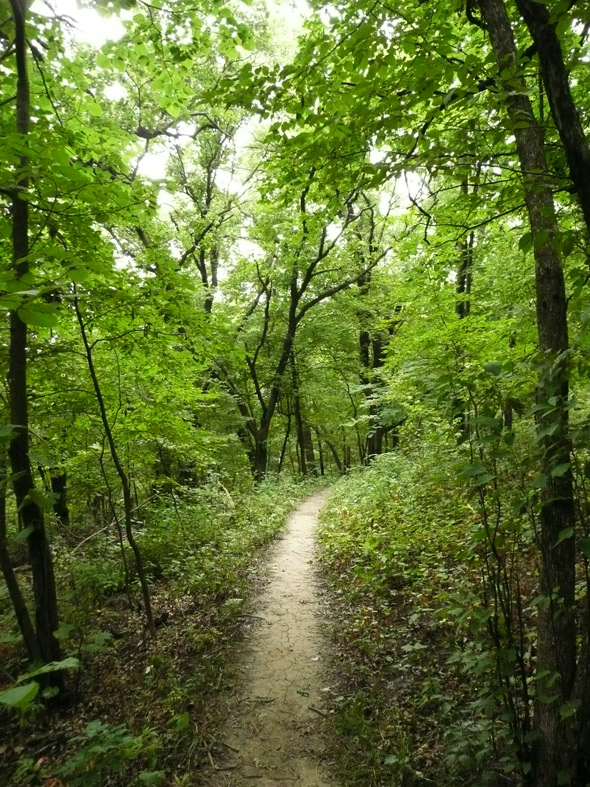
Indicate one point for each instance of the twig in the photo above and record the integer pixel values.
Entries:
(317, 710)
(229, 746)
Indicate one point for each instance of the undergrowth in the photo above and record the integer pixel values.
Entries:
(416, 704)
(143, 710)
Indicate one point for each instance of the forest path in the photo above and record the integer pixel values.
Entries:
(274, 733)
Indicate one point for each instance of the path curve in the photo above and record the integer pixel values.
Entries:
(274, 731)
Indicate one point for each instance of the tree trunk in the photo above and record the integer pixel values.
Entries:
(286, 440)
(260, 458)
(31, 515)
(556, 630)
(563, 110)
(59, 487)
(335, 455)
(301, 455)
(307, 462)
(18, 603)
(320, 453)
(308, 450)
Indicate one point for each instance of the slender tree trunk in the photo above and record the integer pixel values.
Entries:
(563, 110)
(127, 499)
(335, 455)
(20, 608)
(261, 457)
(299, 425)
(308, 450)
(31, 515)
(307, 463)
(59, 486)
(556, 632)
(321, 455)
(286, 440)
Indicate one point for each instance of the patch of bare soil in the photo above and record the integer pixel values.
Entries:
(274, 732)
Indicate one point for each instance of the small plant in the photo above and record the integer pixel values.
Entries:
(104, 750)
(22, 695)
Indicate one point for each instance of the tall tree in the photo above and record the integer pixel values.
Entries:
(30, 511)
(556, 631)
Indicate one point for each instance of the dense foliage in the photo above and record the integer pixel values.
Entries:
(228, 255)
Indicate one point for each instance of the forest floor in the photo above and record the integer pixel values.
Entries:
(275, 730)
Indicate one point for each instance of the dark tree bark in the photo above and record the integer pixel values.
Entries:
(307, 461)
(286, 438)
(320, 453)
(335, 455)
(301, 454)
(563, 109)
(59, 487)
(20, 608)
(555, 749)
(31, 515)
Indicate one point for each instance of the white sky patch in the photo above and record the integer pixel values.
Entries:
(377, 154)
(115, 92)
(89, 27)
(289, 17)
(249, 249)
(188, 129)
(153, 165)
(333, 231)
(226, 181)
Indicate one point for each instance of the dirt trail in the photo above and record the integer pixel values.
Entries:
(274, 731)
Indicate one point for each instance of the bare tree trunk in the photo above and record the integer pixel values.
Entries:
(31, 515)
(555, 749)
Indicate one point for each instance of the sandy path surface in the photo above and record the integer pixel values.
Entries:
(274, 731)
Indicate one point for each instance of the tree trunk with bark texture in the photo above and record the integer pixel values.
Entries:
(21, 611)
(555, 749)
(31, 515)
(563, 109)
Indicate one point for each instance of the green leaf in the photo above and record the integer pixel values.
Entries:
(20, 696)
(585, 546)
(23, 534)
(526, 242)
(564, 534)
(53, 666)
(560, 470)
(493, 368)
(78, 275)
(94, 108)
(39, 315)
(485, 420)
(540, 482)
(569, 708)
(64, 631)
(6, 432)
